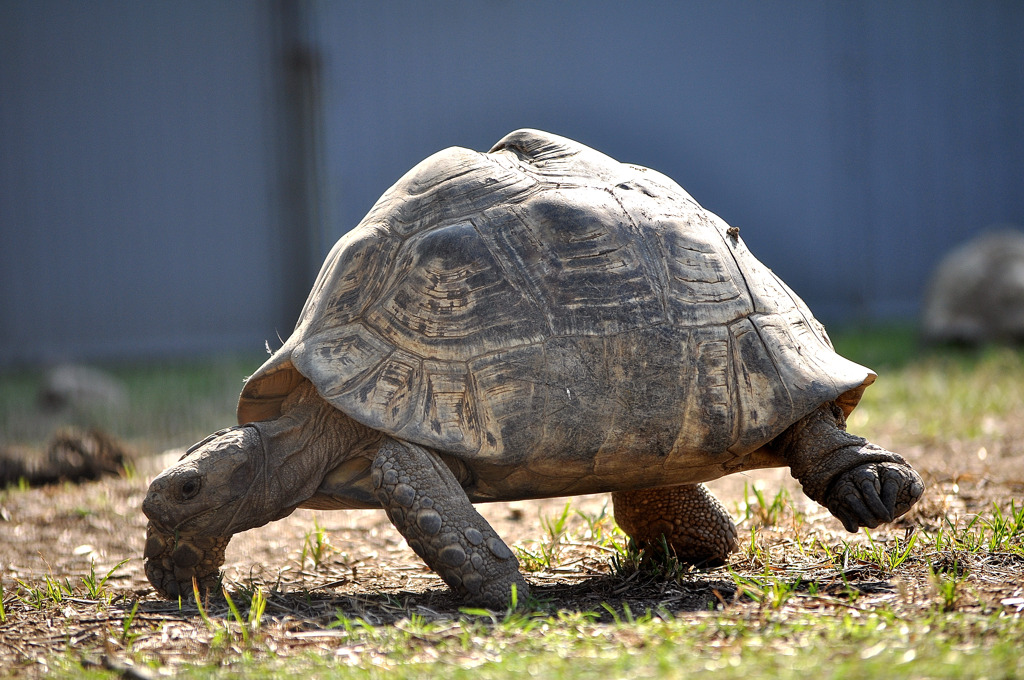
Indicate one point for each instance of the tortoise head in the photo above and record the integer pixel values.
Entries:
(196, 505)
(206, 491)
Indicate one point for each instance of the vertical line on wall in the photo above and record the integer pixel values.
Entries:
(303, 219)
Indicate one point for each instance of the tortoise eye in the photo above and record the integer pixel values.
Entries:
(190, 488)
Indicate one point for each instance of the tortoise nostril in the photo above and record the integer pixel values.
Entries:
(190, 487)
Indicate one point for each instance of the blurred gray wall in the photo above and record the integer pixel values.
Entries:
(172, 173)
(136, 167)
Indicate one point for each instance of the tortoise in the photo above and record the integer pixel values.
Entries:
(539, 320)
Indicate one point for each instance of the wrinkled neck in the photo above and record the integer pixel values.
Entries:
(300, 447)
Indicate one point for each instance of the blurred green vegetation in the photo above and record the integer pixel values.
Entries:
(931, 395)
(168, 404)
(878, 347)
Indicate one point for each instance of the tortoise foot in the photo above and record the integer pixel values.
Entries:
(694, 524)
(873, 494)
(172, 564)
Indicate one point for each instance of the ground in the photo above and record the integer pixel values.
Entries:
(336, 585)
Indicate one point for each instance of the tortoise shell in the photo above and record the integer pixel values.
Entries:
(549, 312)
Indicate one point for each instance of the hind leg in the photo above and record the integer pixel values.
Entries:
(694, 523)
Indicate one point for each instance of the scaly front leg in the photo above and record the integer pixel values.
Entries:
(431, 510)
(860, 483)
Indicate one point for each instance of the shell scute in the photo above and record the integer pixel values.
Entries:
(336, 361)
(449, 186)
(449, 421)
(390, 394)
(547, 312)
(452, 300)
(584, 263)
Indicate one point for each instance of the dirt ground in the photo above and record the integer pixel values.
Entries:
(316, 564)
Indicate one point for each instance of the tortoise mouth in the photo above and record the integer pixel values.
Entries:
(190, 527)
(178, 566)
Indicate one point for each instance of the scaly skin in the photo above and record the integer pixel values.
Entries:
(171, 564)
(860, 483)
(226, 485)
(431, 510)
(695, 525)
(238, 479)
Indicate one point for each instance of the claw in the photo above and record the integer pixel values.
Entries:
(874, 494)
(860, 511)
(869, 493)
(848, 523)
(890, 490)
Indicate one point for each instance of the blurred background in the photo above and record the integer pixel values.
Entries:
(173, 173)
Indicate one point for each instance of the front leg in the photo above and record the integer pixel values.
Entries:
(431, 510)
(860, 483)
(177, 565)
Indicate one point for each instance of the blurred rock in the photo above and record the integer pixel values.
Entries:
(73, 455)
(81, 388)
(976, 294)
